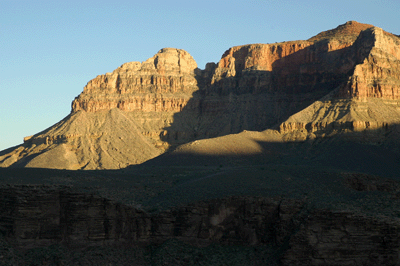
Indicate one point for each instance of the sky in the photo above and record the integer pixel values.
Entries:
(49, 50)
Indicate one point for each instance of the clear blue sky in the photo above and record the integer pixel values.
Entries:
(49, 50)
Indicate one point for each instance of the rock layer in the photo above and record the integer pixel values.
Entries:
(328, 238)
(370, 97)
(162, 83)
(34, 216)
(377, 71)
(345, 78)
(40, 215)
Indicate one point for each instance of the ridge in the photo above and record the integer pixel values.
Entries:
(144, 109)
(349, 29)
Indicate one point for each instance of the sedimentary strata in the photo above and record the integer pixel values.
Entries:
(341, 80)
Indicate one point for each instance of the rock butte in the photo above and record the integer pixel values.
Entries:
(333, 97)
(345, 79)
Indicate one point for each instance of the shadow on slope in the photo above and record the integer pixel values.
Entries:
(256, 99)
(316, 170)
(370, 151)
(253, 100)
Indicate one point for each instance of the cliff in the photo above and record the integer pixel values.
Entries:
(163, 83)
(368, 99)
(295, 234)
(118, 119)
(284, 153)
(346, 78)
(41, 215)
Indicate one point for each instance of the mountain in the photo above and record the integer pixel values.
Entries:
(279, 154)
(345, 78)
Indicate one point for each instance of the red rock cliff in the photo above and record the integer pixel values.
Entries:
(378, 67)
(164, 82)
(168, 101)
(368, 99)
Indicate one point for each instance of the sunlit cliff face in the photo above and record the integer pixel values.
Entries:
(345, 79)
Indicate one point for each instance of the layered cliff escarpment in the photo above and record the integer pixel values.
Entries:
(39, 215)
(345, 78)
(287, 197)
(162, 83)
(369, 99)
(118, 118)
(279, 231)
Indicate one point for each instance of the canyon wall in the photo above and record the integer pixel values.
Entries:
(369, 99)
(162, 83)
(34, 216)
(378, 67)
(43, 215)
(345, 78)
(273, 81)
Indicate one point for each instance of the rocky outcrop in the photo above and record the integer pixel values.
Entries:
(296, 67)
(370, 97)
(332, 115)
(34, 216)
(376, 73)
(40, 215)
(162, 83)
(343, 238)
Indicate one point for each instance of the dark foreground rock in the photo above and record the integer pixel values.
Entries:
(52, 225)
